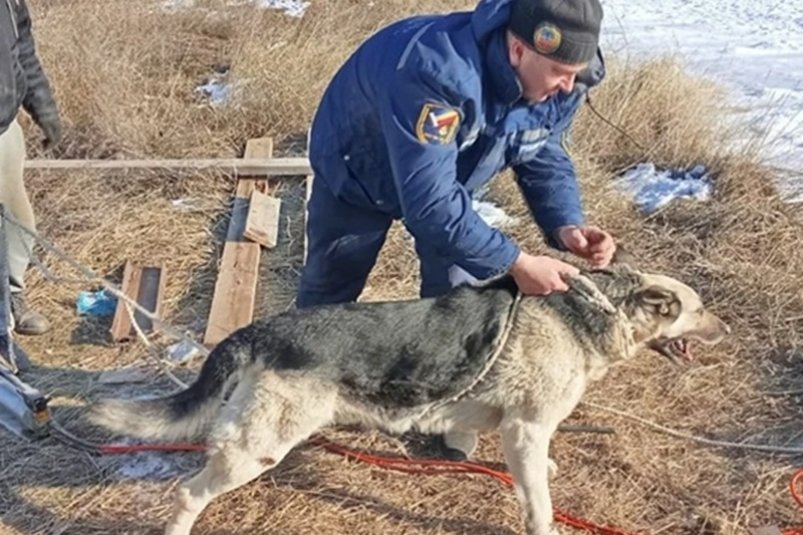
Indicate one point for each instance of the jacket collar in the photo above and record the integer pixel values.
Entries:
(505, 83)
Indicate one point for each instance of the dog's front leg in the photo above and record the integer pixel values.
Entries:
(526, 447)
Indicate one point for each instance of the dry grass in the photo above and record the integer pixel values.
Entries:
(125, 84)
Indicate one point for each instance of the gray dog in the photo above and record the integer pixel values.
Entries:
(477, 359)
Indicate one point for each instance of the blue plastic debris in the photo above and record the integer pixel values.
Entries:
(99, 303)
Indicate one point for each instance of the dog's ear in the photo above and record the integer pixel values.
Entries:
(623, 257)
(663, 300)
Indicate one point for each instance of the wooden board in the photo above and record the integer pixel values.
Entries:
(235, 289)
(151, 290)
(262, 223)
(254, 167)
(144, 284)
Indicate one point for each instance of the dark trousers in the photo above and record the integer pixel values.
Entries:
(343, 242)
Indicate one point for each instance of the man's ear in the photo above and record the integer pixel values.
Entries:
(515, 50)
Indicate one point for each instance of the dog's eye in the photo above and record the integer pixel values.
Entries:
(663, 310)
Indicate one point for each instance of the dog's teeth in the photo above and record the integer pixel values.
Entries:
(684, 346)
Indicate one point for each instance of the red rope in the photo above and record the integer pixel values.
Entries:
(794, 488)
(119, 449)
(438, 467)
(429, 467)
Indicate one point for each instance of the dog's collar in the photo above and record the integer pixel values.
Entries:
(586, 288)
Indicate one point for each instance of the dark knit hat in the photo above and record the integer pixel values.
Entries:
(564, 30)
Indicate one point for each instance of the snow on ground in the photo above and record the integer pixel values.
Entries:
(754, 48)
(292, 8)
(493, 214)
(217, 90)
(140, 466)
(653, 188)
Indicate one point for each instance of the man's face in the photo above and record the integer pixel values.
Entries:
(539, 76)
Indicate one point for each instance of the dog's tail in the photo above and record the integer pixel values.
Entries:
(187, 414)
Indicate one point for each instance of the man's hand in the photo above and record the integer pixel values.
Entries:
(541, 275)
(51, 128)
(591, 243)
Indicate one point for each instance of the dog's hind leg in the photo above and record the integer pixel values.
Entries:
(526, 446)
(262, 422)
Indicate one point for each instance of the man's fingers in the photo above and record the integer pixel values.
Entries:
(600, 242)
(574, 240)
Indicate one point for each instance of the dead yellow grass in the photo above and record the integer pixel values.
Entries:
(125, 84)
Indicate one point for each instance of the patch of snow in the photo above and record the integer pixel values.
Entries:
(217, 90)
(493, 214)
(753, 48)
(458, 276)
(175, 5)
(652, 189)
(291, 8)
(147, 466)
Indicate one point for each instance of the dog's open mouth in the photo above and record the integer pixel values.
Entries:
(675, 349)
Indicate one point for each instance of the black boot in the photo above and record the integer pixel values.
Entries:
(26, 320)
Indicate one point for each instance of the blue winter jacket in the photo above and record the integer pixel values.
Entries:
(428, 110)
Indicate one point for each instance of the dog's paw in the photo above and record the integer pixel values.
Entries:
(551, 469)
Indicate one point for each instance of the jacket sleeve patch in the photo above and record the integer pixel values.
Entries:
(565, 143)
(437, 124)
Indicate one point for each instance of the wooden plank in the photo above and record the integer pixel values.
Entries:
(235, 289)
(235, 295)
(121, 325)
(151, 291)
(262, 223)
(146, 285)
(260, 147)
(256, 167)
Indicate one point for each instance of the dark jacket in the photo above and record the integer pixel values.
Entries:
(22, 80)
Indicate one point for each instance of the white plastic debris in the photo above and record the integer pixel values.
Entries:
(182, 352)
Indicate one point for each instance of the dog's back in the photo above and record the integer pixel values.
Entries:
(395, 354)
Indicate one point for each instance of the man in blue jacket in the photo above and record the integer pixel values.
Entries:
(428, 110)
